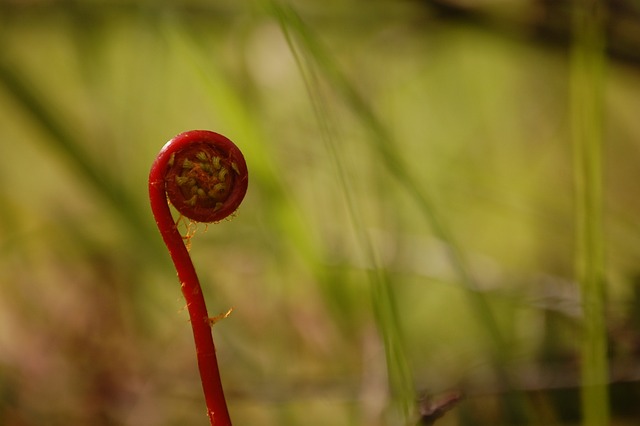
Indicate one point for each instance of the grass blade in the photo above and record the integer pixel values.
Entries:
(382, 296)
(587, 87)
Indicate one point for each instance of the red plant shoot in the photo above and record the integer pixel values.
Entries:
(204, 176)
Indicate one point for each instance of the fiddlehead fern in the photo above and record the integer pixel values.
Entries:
(204, 176)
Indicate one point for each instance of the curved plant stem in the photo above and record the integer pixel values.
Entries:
(183, 160)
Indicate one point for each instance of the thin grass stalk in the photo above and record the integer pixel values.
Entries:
(383, 298)
(587, 88)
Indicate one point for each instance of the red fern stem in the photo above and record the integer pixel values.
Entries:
(204, 176)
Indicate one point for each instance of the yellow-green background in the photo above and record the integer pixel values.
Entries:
(390, 149)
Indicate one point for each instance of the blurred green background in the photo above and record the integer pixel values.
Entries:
(409, 229)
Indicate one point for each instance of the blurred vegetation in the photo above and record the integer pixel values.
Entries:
(409, 231)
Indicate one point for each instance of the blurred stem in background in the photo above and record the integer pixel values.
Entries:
(587, 88)
(383, 298)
